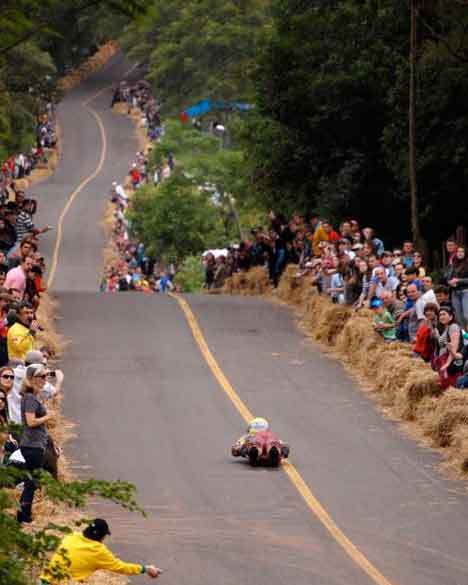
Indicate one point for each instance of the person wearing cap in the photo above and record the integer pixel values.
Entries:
(34, 437)
(384, 323)
(79, 555)
(49, 390)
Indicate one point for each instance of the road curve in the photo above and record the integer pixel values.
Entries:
(150, 411)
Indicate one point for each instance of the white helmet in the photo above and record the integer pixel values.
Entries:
(258, 424)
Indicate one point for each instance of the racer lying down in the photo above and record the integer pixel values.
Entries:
(260, 445)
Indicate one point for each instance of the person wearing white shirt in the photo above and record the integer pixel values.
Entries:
(428, 295)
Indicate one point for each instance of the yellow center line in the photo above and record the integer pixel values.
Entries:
(290, 469)
(80, 187)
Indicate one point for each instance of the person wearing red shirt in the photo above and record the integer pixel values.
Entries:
(333, 236)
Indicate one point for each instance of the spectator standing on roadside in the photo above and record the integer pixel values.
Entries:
(411, 274)
(451, 249)
(393, 305)
(413, 315)
(384, 323)
(16, 277)
(418, 264)
(407, 257)
(457, 279)
(442, 294)
(428, 295)
(381, 281)
(320, 234)
(34, 438)
(424, 345)
(21, 335)
(25, 225)
(48, 391)
(25, 249)
(449, 360)
(79, 555)
(369, 237)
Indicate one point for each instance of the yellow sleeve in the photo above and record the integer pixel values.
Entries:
(320, 235)
(108, 562)
(19, 343)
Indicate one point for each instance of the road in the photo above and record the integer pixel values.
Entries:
(149, 410)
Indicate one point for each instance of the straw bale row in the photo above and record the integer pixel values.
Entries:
(405, 387)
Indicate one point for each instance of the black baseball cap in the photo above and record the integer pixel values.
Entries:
(98, 528)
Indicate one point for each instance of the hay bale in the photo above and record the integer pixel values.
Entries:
(296, 288)
(331, 322)
(451, 411)
(253, 282)
(49, 337)
(22, 184)
(460, 449)
(357, 336)
(120, 108)
(422, 382)
(228, 287)
(258, 281)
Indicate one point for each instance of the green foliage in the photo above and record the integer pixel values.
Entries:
(40, 39)
(199, 48)
(23, 20)
(190, 275)
(175, 219)
(330, 131)
(206, 163)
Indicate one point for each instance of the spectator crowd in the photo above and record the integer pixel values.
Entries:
(131, 269)
(27, 383)
(20, 166)
(352, 266)
(349, 263)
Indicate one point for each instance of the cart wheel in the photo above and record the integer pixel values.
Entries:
(274, 457)
(253, 456)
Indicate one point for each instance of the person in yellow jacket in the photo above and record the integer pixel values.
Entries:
(80, 555)
(324, 232)
(20, 337)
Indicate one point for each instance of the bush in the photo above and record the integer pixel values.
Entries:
(190, 276)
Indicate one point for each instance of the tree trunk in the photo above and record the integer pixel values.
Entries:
(412, 125)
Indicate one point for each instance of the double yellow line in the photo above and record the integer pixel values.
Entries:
(80, 187)
(291, 471)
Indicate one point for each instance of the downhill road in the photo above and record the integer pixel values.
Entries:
(149, 409)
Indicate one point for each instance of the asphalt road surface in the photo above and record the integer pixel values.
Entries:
(149, 410)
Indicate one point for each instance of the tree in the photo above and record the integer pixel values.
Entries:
(190, 276)
(175, 219)
(39, 40)
(199, 48)
(23, 20)
(322, 84)
(330, 130)
(412, 122)
(203, 159)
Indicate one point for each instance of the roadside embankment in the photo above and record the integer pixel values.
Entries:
(405, 387)
(90, 66)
